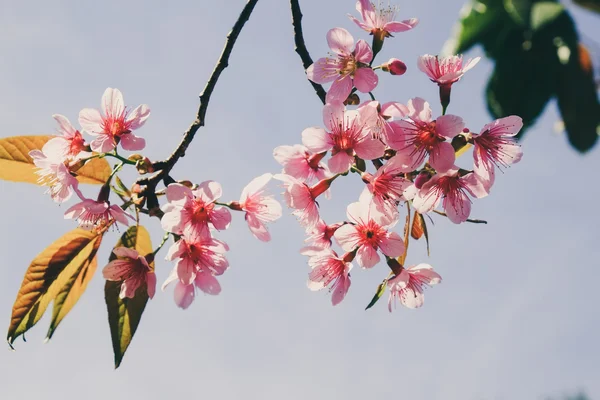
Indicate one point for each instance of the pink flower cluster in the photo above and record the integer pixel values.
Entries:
(193, 214)
(414, 154)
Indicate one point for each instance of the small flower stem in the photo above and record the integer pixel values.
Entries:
(118, 157)
(164, 240)
(372, 97)
(116, 169)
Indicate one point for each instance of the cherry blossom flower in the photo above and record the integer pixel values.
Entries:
(260, 207)
(320, 236)
(329, 269)
(70, 142)
(346, 137)
(53, 171)
(302, 198)
(380, 20)
(447, 70)
(198, 259)
(420, 136)
(388, 187)
(349, 68)
(378, 118)
(408, 285)
(116, 125)
(368, 231)
(453, 188)
(495, 145)
(133, 270)
(92, 214)
(298, 162)
(194, 208)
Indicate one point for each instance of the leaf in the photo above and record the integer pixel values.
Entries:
(72, 290)
(16, 165)
(578, 102)
(419, 228)
(518, 10)
(480, 20)
(46, 277)
(380, 291)
(545, 12)
(592, 5)
(124, 314)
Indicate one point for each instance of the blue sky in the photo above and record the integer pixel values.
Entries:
(514, 318)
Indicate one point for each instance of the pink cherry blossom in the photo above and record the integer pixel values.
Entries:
(349, 68)
(380, 20)
(116, 125)
(419, 136)
(53, 170)
(495, 145)
(378, 118)
(133, 270)
(447, 70)
(260, 207)
(329, 269)
(194, 208)
(409, 284)
(70, 142)
(388, 187)
(298, 162)
(368, 231)
(346, 137)
(92, 214)
(320, 236)
(198, 259)
(302, 198)
(453, 188)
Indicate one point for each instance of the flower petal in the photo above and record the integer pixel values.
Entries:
(340, 41)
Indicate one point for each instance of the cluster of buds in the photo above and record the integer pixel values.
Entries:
(413, 155)
(191, 215)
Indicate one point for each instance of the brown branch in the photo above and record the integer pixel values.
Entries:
(164, 167)
(301, 46)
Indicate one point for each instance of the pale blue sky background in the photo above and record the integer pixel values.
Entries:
(515, 318)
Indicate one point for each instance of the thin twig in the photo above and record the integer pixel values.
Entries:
(164, 167)
(301, 46)
(473, 221)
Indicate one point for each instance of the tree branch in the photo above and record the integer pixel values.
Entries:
(301, 46)
(164, 167)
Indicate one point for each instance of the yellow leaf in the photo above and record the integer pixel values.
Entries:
(124, 314)
(48, 274)
(16, 165)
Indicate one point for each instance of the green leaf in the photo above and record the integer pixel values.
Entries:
(591, 5)
(545, 12)
(124, 315)
(518, 10)
(380, 291)
(48, 274)
(479, 20)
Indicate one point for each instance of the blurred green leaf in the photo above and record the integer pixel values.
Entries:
(479, 19)
(592, 5)
(544, 13)
(378, 293)
(518, 10)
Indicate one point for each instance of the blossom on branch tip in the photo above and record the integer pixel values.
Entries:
(298, 162)
(349, 68)
(194, 209)
(260, 207)
(327, 268)
(495, 145)
(346, 136)
(378, 119)
(302, 198)
(368, 232)
(70, 142)
(53, 170)
(320, 236)
(380, 20)
(132, 270)
(419, 136)
(388, 187)
(95, 215)
(116, 125)
(447, 70)
(408, 285)
(452, 187)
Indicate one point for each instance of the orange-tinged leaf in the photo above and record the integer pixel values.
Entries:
(416, 231)
(72, 290)
(124, 315)
(16, 165)
(47, 275)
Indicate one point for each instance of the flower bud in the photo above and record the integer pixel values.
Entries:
(422, 179)
(135, 157)
(352, 100)
(394, 67)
